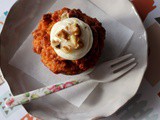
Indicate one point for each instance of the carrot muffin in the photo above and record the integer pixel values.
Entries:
(69, 41)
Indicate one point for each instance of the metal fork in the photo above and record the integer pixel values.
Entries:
(105, 72)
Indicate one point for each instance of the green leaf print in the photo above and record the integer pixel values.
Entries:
(34, 96)
(57, 85)
(47, 92)
(25, 100)
(27, 94)
(75, 82)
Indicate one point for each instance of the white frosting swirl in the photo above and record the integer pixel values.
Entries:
(86, 37)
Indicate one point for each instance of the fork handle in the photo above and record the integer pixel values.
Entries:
(35, 94)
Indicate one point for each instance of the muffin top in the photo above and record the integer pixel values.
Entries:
(68, 48)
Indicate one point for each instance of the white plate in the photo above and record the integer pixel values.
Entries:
(111, 96)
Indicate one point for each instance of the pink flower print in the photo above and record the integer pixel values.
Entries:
(9, 102)
(55, 88)
(68, 84)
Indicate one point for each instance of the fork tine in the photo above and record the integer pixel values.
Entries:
(121, 65)
(112, 62)
(125, 70)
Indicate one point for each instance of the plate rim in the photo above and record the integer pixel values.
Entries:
(146, 60)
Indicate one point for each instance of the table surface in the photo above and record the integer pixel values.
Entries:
(145, 105)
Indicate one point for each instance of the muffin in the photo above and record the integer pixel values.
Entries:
(69, 41)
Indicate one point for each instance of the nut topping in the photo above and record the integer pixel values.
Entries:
(63, 34)
(67, 49)
(75, 29)
(71, 34)
(56, 44)
(75, 41)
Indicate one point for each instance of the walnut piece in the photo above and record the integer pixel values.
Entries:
(63, 34)
(73, 39)
(77, 43)
(75, 29)
(80, 45)
(67, 49)
(71, 34)
(56, 44)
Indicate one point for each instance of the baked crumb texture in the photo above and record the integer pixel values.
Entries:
(42, 46)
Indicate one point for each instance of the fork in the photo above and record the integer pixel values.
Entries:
(105, 72)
